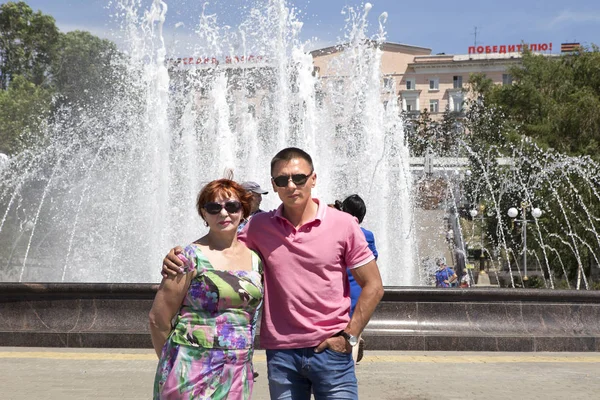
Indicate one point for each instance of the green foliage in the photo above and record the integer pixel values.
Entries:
(480, 85)
(28, 41)
(535, 282)
(42, 69)
(551, 111)
(424, 134)
(562, 284)
(555, 100)
(23, 108)
(83, 69)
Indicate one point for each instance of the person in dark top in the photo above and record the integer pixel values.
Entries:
(355, 206)
(257, 193)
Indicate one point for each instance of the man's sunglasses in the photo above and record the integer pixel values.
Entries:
(297, 179)
(215, 208)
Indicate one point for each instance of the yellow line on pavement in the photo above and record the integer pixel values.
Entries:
(54, 355)
(79, 356)
(483, 359)
(433, 359)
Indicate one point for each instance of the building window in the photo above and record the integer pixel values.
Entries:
(506, 79)
(434, 84)
(385, 104)
(411, 105)
(434, 106)
(266, 106)
(456, 102)
(319, 98)
(388, 84)
(458, 105)
(410, 101)
(457, 81)
(250, 89)
(410, 84)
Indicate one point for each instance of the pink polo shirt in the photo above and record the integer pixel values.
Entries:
(307, 296)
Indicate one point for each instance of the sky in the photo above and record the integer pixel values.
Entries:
(443, 26)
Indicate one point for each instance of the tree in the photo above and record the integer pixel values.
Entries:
(437, 136)
(85, 68)
(23, 107)
(419, 133)
(548, 115)
(555, 100)
(49, 70)
(27, 43)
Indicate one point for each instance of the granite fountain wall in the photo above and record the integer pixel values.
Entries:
(422, 319)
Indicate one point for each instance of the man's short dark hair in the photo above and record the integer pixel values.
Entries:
(355, 206)
(289, 154)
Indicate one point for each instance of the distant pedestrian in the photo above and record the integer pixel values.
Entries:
(257, 193)
(445, 276)
(465, 279)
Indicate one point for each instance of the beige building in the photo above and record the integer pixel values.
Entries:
(422, 80)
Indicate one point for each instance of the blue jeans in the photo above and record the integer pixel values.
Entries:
(296, 373)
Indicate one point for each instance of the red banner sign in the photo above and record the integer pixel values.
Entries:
(510, 48)
(214, 61)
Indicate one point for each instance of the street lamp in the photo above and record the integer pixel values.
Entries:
(513, 213)
(474, 214)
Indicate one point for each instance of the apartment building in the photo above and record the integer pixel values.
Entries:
(418, 79)
(425, 81)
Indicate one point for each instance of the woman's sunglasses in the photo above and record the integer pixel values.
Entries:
(215, 208)
(297, 179)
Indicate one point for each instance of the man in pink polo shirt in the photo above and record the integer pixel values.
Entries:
(307, 249)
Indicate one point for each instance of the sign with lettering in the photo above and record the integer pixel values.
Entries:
(212, 61)
(510, 48)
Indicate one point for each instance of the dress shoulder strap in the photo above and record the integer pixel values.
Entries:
(257, 264)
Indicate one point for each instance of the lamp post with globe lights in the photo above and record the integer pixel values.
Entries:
(513, 213)
(473, 212)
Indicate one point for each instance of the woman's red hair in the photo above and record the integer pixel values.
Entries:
(224, 188)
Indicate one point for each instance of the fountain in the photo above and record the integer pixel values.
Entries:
(528, 212)
(108, 197)
(109, 192)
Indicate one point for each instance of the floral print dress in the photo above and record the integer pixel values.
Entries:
(208, 355)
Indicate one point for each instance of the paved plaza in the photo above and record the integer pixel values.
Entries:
(123, 374)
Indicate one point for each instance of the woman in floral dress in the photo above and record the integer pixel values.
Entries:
(207, 352)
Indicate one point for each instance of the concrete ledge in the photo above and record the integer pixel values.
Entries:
(421, 318)
(487, 319)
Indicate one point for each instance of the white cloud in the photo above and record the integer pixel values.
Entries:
(317, 44)
(572, 17)
(179, 40)
(176, 41)
(100, 31)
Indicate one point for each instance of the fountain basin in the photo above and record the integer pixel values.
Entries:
(408, 318)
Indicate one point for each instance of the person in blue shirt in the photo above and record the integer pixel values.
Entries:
(355, 206)
(444, 276)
